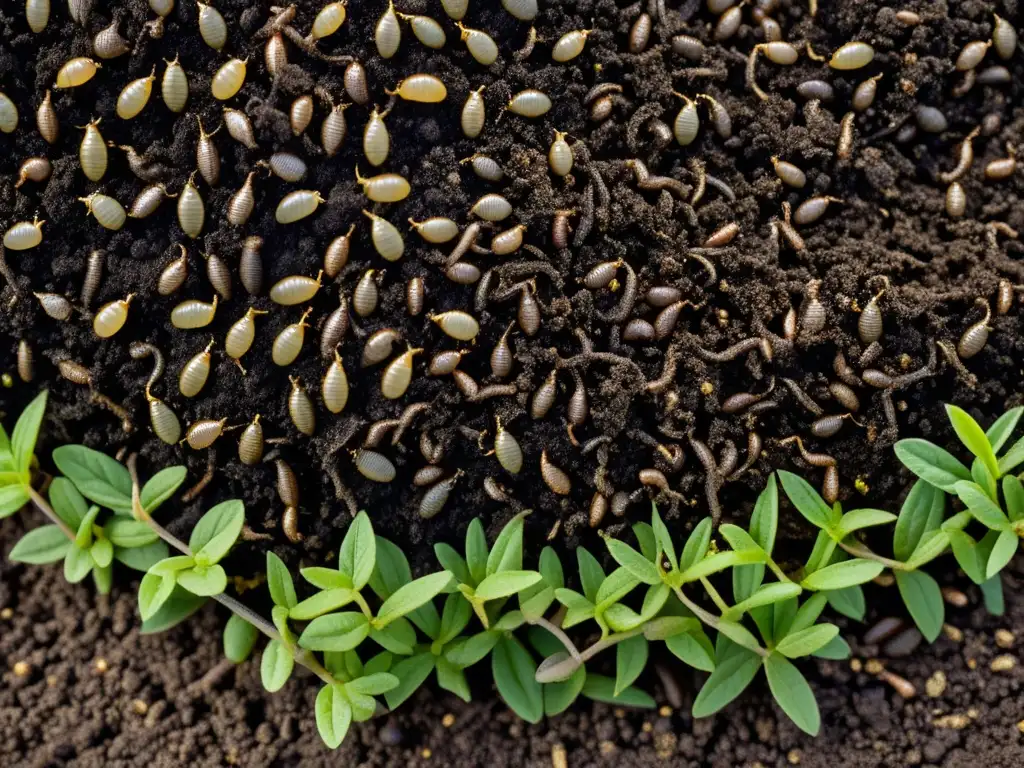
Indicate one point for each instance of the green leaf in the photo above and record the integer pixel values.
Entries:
(806, 500)
(808, 613)
(456, 615)
(965, 549)
(507, 552)
(358, 553)
(664, 627)
(856, 519)
(207, 581)
(326, 578)
(696, 545)
(467, 651)
(559, 696)
(836, 649)
(505, 584)
(922, 511)
(663, 537)
(279, 582)
(923, 598)
(550, 568)
(333, 715)
(103, 578)
(983, 477)
(97, 476)
(580, 609)
(154, 590)
(142, 558)
(1012, 458)
(639, 566)
(276, 666)
(217, 530)
(806, 641)
(380, 663)
(128, 533)
(764, 521)
(411, 596)
(601, 688)
(849, 602)
(973, 437)
(178, 607)
(411, 674)
(363, 707)
(335, 632)
(452, 562)
(161, 487)
(646, 541)
(390, 571)
(1013, 492)
(619, 583)
(933, 544)
(26, 431)
(5, 445)
(172, 565)
(728, 681)
(373, 685)
(476, 551)
(694, 649)
(765, 595)
(984, 510)
(77, 564)
(102, 553)
(47, 544)
(992, 592)
(239, 638)
(1003, 551)
(84, 535)
(12, 498)
(67, 502)
(841, 575)
(399, 637)
(514, 669)
(630, 660)
(1003, 427)
(719, 562)
(738, 634)
(622, 618)
(793, 694)
(931, 463)
(591, 573)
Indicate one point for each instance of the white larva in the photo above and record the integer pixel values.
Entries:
(108, 43)
(334, 388)
(46, 118)
(365, 296)
(384, 188)
(455, 9)
(507, 450)
(460, 325)
(34, 169)
(108, 212)
(147, 201)
(560, 155)
(174, 86)
(241, 334)
(54, 305)
(212, 27)
(75, 72)
(203, 433)
(161, 7)
(92, 152)
(529, 103)
(207, 159)
(427, 31)
(388, 33)
(241, 204)
(492, 207)
(288, 343)
(8, 114)
(229, 79)
(287, 166)
(474, 113)
(328, 21)
(509, 241)
(301, 114)
(250, 444)
(570, 45)
(24, 235)
(165, 422)
(191, 211)
(687, 123)
(195, 372)
(192, 313)
(524, 10)
(386, 238)
(239, 128)
(376, 140)
(437, 229)
(297, 205)
(300, 409)
(485, 167)
(374, 466)
(481, 45)
(295, 289)
(333, 130)
(37, 14)
(275, 54)
(422, 88)
(173, 275)
(111, 317)
(398, 375)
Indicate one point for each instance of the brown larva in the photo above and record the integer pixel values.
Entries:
(366, 295)
(378, 346)
(975, 337)
(1004, 297)
(529, 311)
(444, 363)
(75, 373)
(507, 450)
(553, 477)
(287, 484)
(598, 509)
(602, 274)
(336, 255)
(467, 384)
(26, 366)
(414, 296)
(300, 408)
(334, 330)
(219, 275)
(207, 158)
(844, 395)
(374, 466)
(544, 397)
(250, 267)
(501, 356)
(203, 433)
(250, 444)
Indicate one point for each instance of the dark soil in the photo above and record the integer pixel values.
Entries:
(891, 222)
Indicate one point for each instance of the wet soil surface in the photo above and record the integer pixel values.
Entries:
(890, 222)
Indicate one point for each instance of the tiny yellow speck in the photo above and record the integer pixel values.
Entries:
(426, 753)
(448, 720)
(706, 388)
(21, 669)
(614, 285)
(6, 613)
(7, 380)
(101, 665)
(140, 707)
(861, 486)
(665, 711)
(647, 727)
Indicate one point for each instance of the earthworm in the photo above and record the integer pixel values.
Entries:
(141, 349)
(954, 360)
(492, 390)
(469, 237)
(706, 263)
(814, 459)
(603, 196)
(531, 39)
(727, 459)
(644, 180)
(697, 168)
(640, 116)
(377, 430)
(483, 287)
(890, 411)
(802, 397)
(595, 442)
(729, 353)
(870, 354)
(586, 222)
(843, 371)
(625, 305)
(754, 446)
(721, 186)
(405, 420)
(712, 479)
(515, 269)
(193, 493)
(341, 491)
(922, 373)
(668, 372)
(601, 89)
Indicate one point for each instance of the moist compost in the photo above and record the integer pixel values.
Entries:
(890, 222)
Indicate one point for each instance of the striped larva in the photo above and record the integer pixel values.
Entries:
(111, 317)
(830, 484)
(812, 312)
(301, 114)
(722, 236)
(560, 157)
(287, 484)
(436, 497)
(492, 207)
(240, 128)
(687, 122)
(524, 10)
(474, 114)
(242, 203)
(728, 23)
(75, 373)
(54, 305)
(135, 96)
(92, 152)
(297, 205)
(640, 33)
(876, 378)
(827, 426)
(147, 201)
(501, 356)
(203, 433)
(426, 30)
(966, 159)
(212, 27)
(192, 313)
(164, 421)
(638, 329)
(290, 525)
(789, 174)
(971, 54)
(463, 273)
(507, 450)
(665, 322)
(553, 477)
(288, 343)
(355, 83)
(598, 509)
(1004, 37)
(975, 337)
(869, 324)
(300, 408)
(398, 374)
(601, 275)
(24, 235)
(207, 159)
(1003, 167)
(376, 139)
(108, 212)
(383, 188)
(544, 397)
(37, 14)
(444, 363)
(250, 444)
(295, 289)
(195, 372)
(496, 491)
(93, 276)
(422, 88)
(334, 387)
(956, 200)
(844, 395)
(481, 46)
(388, 33)
(26, 366)
(720, 118)
(579, 406)
(529, 103)
(365, 296)
(528, 313)
(374, 466)
(457, 324)
(287, 167)
(241, 334)
(174, 86)
(229, 79)
(333, 130)
(742, 400)
(191, 211)
(75, 72)
(336, 255)
(333, 330)
(508, 241)
(275, 54)
(172, 277)
(1004, 297)
(570, 45)
(427, 475)
(864, 93)
(46, 118)
(436, 230)
(378, 347)
(485, 167)
(415, 293)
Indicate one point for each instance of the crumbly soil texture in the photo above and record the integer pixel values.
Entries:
(648, 397)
